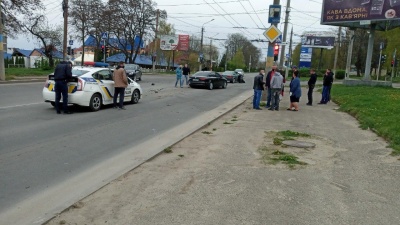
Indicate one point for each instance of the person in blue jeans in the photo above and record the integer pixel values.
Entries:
(258, 87)
(268, 79)
(327, 84)
(178, 72)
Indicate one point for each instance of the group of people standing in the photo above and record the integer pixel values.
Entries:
(182, 71)
(274, 85)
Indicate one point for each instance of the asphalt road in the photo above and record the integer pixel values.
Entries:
(39, 149)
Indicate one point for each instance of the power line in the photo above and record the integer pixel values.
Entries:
(256, 13)
(248, 13)
(201, 3)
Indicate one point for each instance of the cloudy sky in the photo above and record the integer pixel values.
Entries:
(248, 17)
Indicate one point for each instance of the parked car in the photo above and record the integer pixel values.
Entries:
(91, 87)
(133, 71)
(231, 76)
(240, 71)
(208, 79)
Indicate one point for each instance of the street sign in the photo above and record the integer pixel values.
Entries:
(274, 14)
(71, 42)
(104, 35)
(272, 33)
(279, 39)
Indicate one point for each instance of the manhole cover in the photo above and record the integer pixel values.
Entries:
(299, 144)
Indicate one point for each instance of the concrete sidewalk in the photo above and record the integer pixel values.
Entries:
(222, 174)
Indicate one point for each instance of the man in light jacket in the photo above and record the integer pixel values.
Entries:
(120, 83)
(276, 89)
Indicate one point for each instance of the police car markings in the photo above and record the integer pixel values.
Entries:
(105, 89)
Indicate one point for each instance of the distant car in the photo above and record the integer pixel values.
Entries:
(133, 71)
(208, 79)
(91, 87)
(240, 71)
(231, 76)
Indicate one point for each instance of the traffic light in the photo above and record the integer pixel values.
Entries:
(102, 49)
(392, 63)
(68, 50)
(276, 52)
(383, 59)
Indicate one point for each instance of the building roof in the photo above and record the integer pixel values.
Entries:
(7, 55)
(56, 54)
(22, 52)
(114, 42)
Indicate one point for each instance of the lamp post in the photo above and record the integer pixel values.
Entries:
(201, 41)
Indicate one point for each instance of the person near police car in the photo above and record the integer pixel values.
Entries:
(311, 86)
(62, 73)
(120, 83)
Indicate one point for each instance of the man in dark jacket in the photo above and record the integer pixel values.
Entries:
(258, 87)
(311, 85)
(268, 79)
(62, 73)
(186, 73)
(327, 83)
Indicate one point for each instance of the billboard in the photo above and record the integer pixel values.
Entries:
(318, 39)
(339, 11)
(305, 57)
(174, 42)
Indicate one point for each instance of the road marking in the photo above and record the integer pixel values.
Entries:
(14, 106)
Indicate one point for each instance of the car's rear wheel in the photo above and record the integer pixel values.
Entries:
(224, 85)
(210, 85)
(135, 97)
(95, 102)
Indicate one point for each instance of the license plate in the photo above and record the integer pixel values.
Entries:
(195, 79)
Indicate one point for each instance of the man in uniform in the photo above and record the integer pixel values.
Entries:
(62, 73)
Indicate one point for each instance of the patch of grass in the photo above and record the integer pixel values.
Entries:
(214, 129)
(226, 122)
(234, 120)
(24, 72)
(263, 104)
(63, 222)
(206, 132)
(181, 156)
(376, 108)
(234, 117)
(168, 150)
(292, 134)
(286, 158)
(277, 141)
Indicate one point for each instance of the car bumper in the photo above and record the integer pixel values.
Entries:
(81, 98)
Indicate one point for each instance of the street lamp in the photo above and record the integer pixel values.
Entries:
(201, 42)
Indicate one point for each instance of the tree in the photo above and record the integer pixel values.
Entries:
(50, 37)
(15, 11)
(238, 60)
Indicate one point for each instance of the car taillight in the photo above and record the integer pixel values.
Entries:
(80, 85)
(229, 76)
(202, 78)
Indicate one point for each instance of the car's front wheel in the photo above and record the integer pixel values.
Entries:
(224, 85)
(135, 97)
(210, 85)
(95, 102)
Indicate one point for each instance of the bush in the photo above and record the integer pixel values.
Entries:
(340, 74)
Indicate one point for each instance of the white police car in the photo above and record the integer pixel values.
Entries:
(92, 87)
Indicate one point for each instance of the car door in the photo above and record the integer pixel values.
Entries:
(106, 85)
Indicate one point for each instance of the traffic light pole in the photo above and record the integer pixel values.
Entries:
(104, 51)
(379, 64)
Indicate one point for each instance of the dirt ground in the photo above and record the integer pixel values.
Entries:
(221, 175)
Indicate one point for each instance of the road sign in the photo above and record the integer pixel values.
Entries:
(279, 39)
(71, 42)
(104, 35)
(274, 14)
(272, 33)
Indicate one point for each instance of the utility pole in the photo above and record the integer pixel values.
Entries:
(65, 14)
(201, 47)
(249, 63)
(2, 70)
(226, 57)
(290, 54)
(283, 47)
(153, 58)
(349, 54)
(211, 55)
(337, 50)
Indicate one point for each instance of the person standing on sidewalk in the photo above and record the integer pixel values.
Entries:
(62, 73)
(311, 86)
(186, 73)
(295, 93)
(120, 83)
(268, 79)
(258, 87)
(178, 72)
(276, 86)
(327, 83)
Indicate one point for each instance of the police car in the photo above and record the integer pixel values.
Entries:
(92, 87)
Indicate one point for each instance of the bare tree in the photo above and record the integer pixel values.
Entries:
(15, 11)
(51, 37)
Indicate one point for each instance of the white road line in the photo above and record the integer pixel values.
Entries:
(14, 106)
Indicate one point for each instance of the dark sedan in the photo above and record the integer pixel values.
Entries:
(208, 79)
(231, 76)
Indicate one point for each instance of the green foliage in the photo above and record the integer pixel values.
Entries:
(376, 108)
(290, 134)
(340, 74)
(238, 60)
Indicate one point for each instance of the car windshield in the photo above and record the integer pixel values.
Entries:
(130, 67)
(238, 70)
(227, 73)
(201, 73)
(78, 73)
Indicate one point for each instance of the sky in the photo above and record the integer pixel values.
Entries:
(248, 17)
